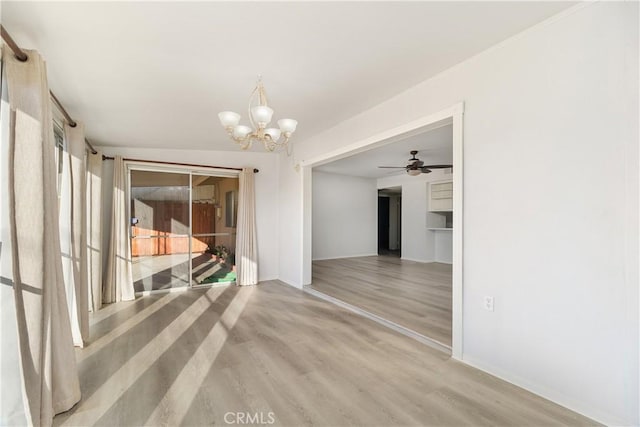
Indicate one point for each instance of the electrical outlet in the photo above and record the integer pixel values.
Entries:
(488, 303)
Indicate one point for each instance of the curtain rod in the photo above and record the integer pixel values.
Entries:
(255, 170)
(23, 57)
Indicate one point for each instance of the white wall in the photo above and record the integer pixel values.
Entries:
(290, 219)
(266, 192)
(345, 216)
(550, 204)
(418, 243)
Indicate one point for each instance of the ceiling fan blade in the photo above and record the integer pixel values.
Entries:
(391, 167)
(425, 170)
(438, 166)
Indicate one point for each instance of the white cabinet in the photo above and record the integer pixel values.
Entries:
(441, 196)
(439, 219)
(440, 199)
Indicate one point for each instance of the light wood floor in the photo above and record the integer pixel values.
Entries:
(412, 294)
(188, 358)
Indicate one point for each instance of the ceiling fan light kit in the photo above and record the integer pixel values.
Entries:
(260, 116)
(416, 166)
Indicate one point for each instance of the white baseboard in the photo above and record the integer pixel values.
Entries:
(581, 408)
(345, 256)
(286, 282)
(423, 261)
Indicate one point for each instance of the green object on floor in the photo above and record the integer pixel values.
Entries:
(221, 276)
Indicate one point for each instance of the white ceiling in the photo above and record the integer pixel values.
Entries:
(155, 74)
(434, 147)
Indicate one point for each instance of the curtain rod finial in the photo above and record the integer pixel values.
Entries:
(256, 170)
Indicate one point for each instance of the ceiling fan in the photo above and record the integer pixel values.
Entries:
(416, 166)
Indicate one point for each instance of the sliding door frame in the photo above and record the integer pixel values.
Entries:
(133, 165)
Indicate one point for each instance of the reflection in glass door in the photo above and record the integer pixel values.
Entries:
(183, 229)
(213, 216)
(159, 230)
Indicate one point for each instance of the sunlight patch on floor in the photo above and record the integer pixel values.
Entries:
(175, 404)
(112, 389)
(124, 327)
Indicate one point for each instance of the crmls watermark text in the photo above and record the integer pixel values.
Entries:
(249, 418)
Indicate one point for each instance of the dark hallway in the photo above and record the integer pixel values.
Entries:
(389, 222)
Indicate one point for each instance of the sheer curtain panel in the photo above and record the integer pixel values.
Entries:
(246, 241)
(118, 285)
(94, 229)
(73, 230)
(12, 407)
(48, 366)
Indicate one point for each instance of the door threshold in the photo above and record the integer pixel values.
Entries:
(423, 339)
(183, 288)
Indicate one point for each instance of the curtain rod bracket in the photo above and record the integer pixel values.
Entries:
(86, 141)
(66, 115)
(19, 54)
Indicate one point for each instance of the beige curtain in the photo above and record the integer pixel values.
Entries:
(246, 242)
(12, 407)
(49, 372)
(73, 230)
(94, 229)
(118, 285)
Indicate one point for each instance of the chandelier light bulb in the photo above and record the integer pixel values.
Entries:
(241, 131)
(273, 133)
(414, 172)
(261, 115)
(229, 119)
(287, 125)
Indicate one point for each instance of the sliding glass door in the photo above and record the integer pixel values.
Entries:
(213, 215)
(182, 228)
(159, 230)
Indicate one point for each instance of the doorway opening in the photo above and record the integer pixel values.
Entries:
(431, 230)
(390, 221)
(402, 276)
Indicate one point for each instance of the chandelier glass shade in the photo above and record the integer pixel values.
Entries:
(260, 115)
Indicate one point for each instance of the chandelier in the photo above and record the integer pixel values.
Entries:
(259, 116)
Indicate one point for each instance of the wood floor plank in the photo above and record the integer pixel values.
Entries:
(275, 349)
(411, 294)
